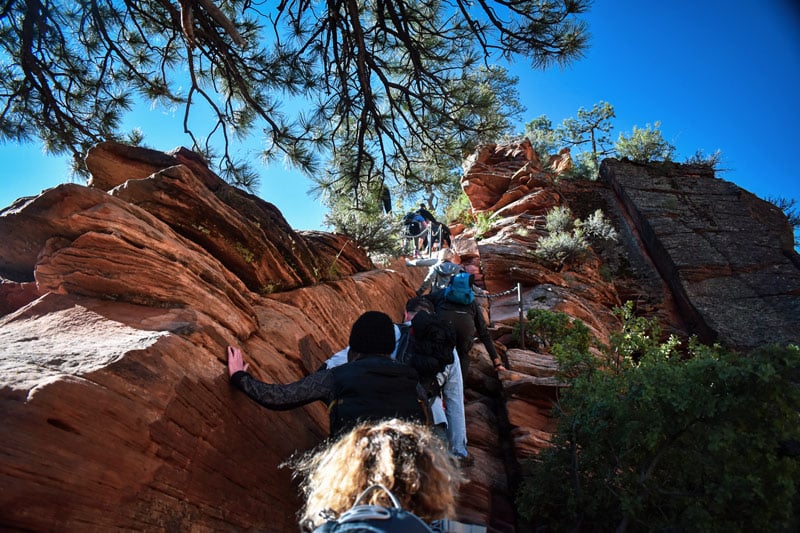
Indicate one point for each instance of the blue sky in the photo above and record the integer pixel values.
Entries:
(716, 74)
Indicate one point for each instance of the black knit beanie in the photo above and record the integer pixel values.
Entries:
(372, 333)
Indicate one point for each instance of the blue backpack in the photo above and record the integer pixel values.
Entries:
(373, 518)
(460, 289)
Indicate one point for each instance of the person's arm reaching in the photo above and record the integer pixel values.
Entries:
(428, 281)
(317, 386)
(485, 337)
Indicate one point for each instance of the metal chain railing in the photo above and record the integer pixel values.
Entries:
(518, 290)
(496, 294)
(427, 233)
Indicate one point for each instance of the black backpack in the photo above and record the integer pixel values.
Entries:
(428, 348)
(412, 224)
(374, 518)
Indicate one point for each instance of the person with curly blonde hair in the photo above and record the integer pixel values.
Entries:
(405, 458)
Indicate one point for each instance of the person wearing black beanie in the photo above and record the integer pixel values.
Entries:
(369, 387)
(372, 333)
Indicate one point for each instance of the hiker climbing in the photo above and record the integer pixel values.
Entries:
(424, 213)
(438, 232)
(415, 227)
(425, 231)
(457, 306)
(431, 351)
(370, 386)
(450, 421)
(440, 235)
(441, 272)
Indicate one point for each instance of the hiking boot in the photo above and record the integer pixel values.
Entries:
(466, 462)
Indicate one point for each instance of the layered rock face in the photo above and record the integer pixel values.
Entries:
(697, 253)
(118, 301)
(727, 256)
(117, 307)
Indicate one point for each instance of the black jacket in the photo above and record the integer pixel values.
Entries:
(371, 388)
(467, 321)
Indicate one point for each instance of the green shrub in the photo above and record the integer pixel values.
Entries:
(562, 247)
(558, 219)
(645, 144)
(606, 274)
(460, 210)
(482, 225)
(544, 328)
(638, 335)
(712, 161)
(792, 213)
(554, 332)
(378, 234)
(585, 167)
(652, 439)
(597, 228)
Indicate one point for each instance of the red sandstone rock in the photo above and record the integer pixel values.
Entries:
(15, 295)
(111, 164)
(560, 162)
(536, 202)
(117, 307)
(490, 173)
(116, 405)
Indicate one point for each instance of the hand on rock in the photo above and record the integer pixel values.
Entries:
(236, 361)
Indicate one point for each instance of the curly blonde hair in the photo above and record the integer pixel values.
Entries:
(404, 457)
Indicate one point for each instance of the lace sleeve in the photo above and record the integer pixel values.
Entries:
(317, 386)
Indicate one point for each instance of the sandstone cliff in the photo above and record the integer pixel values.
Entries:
(118, 300)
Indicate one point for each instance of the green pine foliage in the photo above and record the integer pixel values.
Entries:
(645, 145)
(391, 80)
(589, 130)
(460, 210)
(355, 209)
(587, 134)
(377, 234)
(543, 138)
(652, 438)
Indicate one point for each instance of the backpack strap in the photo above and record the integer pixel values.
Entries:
(364, 517)
(372, 488)
(402, 343)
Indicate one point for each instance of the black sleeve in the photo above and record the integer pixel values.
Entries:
(483, 332)
(436, 297)
(317, 386)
